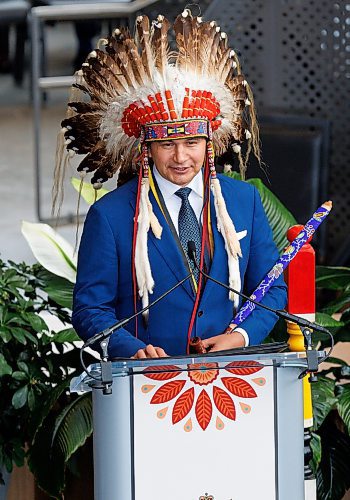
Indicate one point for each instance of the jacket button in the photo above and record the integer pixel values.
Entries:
(200, 313)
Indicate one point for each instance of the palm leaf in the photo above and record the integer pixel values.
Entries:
(343, 405)
(332, 278)
(73, 426)
(323, 399)
(55, 442)
(60, 290)
(87, 191)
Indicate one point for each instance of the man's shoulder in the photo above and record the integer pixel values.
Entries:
(234, 185)
(119, 197)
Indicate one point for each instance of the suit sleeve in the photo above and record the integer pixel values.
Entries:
(96, 289)
(263, 256)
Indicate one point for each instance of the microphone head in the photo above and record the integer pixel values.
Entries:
(191, 249)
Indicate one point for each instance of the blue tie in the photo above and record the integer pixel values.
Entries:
(188, 227)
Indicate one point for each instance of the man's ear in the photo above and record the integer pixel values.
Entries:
(149, 151)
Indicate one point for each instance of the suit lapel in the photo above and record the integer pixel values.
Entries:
(167, 247)
(218, 264)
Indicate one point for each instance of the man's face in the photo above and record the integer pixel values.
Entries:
(179, 160)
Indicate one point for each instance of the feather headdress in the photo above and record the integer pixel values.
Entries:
(140, 90)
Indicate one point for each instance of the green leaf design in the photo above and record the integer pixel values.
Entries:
(88, 193)
(343, 405)
(5, 368)
(323, 399)
(20, 397)
(279, 217)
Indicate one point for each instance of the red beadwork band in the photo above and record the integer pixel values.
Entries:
(176, 130)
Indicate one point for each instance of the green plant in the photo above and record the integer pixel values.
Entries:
(36, 366)
(331, 394)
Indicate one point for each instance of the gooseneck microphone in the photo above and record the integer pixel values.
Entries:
(306, 326)
(120, 324)
(106, 380)
(279, 312)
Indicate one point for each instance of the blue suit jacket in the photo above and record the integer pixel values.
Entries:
(103, 292)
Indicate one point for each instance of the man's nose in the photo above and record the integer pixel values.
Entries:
(180, 153)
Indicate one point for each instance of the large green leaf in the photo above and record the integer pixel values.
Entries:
(315, 444)
(87, 191)
(323, 399)
(58, 289)
(279, 217)
(332, 278)
(51, 250)
(5, 368)
(338, 304)
(67, 335)
(56, 441)
(327, 321)
(73, 426)
(344, 405)
(333, 474)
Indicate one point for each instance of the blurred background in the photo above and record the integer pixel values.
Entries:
(294, 53)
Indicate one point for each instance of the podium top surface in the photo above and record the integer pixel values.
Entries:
(133, 367)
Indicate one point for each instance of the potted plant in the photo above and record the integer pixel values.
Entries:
(36, 366)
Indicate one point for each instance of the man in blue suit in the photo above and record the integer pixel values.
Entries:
(103, 294)
(163, 121)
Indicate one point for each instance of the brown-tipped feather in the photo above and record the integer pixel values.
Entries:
(136, 62)
(143, 30)
(160, 43)
(182, 28)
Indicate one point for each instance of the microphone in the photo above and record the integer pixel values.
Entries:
(104, 334)
(106, 380)
(279, 312)
(306, 326)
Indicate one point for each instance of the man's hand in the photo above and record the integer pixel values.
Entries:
(150, 352)
(224, 341)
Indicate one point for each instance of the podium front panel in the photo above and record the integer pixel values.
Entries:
(196, 428)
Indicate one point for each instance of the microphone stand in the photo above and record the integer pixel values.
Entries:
(306, 326)
(106, 380)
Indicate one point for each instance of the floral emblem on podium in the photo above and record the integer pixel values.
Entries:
(205, 391)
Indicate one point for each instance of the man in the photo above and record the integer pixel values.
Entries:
(135, 239)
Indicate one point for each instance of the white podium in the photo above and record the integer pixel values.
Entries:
(196, 428)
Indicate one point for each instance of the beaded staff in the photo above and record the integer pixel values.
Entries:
(284, 260)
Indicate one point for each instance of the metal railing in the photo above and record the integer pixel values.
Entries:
(61, 11)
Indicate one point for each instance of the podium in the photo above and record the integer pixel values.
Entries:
(200, 427)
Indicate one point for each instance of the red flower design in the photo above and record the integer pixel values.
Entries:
(239, 387)
(204, 409)
(204, 374)
(224, 403)
(167, 392)
(159, 373)
(183, 405)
